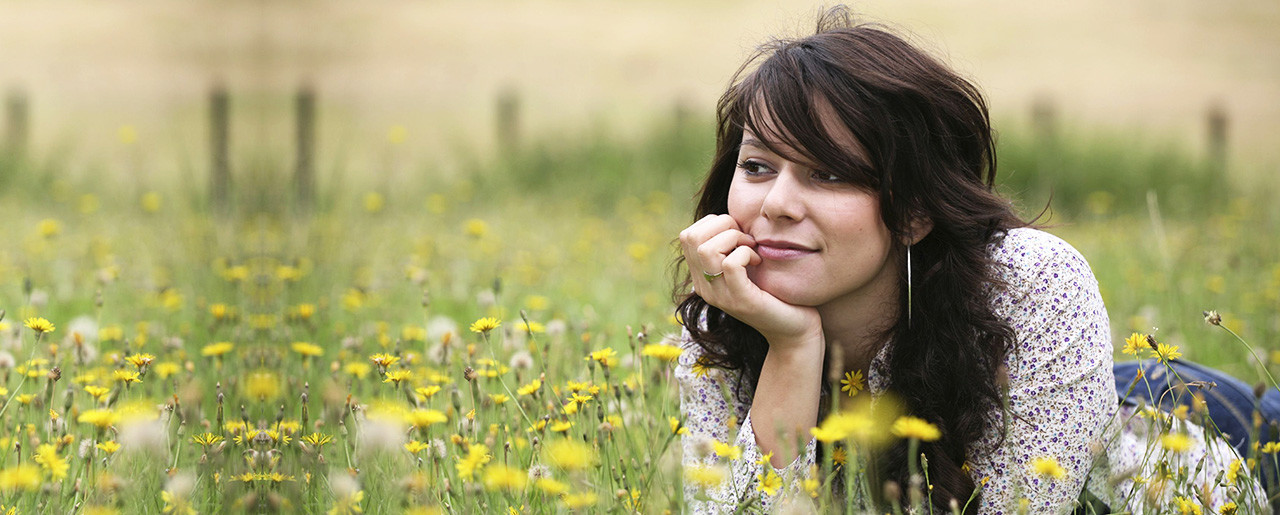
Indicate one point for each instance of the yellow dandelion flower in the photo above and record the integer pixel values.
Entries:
(561, 426)
(39, 325)
(109, 447)
(421, 418)
(485, 324)
(477, 456)
(307, 349)
(206, 439)
(1187, 506)
(140, 360)
(580, 500)
(47, 456)
(677, 426)
(1176, 442)
(724, 450)
(606, 356)
(917, 428)
(768, 482)
(427, 391)
(502, 477)
(317, 439)
(414, 446)
(357, 369)
(1271, 448)
(662, 351)
(1048, 467)
(499, 398)
(398, 376)
(165, 369)
(551, 486)
(97, 392)
(852, 382)
(531, 388)
(569, 454)
(1135, 344)
(1165, 352)
(384, 360)
(102, 418)
(1229, 508)
(217, 349)
(125, 376)
(20, 477)
(705, 477)
(839, 456)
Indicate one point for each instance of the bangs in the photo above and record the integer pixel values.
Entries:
(783, 102)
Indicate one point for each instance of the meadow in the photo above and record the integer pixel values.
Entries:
(493, 338)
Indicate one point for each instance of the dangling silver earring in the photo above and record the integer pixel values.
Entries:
(908, 285)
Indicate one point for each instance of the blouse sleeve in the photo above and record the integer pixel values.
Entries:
(711, 410)
(1061, 386)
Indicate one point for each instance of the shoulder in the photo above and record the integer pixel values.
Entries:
(1030, 261)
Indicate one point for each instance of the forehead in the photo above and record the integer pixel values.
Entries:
(763, 125)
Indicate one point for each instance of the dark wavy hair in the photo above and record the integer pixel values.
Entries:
(928, 139)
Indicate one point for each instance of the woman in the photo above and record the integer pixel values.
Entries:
(849, 214)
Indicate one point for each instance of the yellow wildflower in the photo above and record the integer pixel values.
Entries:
(414, 446)
(913, 427)
(677, 427)
(561, 426)
(569, 454)
(502, 477)
(140, 360)
(606, 356)
(307, 349)
(165, 369)
(852, 382)
(20, 477)
(398, 376)
(103, 418)
(768, 482)
(427, 391)
(531, 388)
(1165, 352)
(217, 349)
(582, 500)
(485, 324)
(551, 486)
(421, 418)
(47, 456)
(109, 447)
(39, 325)
(1135, 344)
(125, 376)
(662, 351)
(477, 456)
(206, 439)
(724, 450)
(1176, 442)
(384, 360)
(705, 477)
(317, 439)
(1048, 467)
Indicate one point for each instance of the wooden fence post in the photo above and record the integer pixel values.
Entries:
(1217, 120)
(16, 123)
(219, 143)
(508, 120)
(304, 175)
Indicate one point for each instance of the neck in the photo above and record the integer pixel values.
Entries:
(857, 323)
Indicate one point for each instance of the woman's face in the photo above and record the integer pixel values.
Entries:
(821, 240)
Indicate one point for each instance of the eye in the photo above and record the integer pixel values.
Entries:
(753, 168)
(821, 176)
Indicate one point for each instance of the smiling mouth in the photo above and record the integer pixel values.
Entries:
(781, 250)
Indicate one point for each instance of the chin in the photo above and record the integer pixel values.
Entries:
(787, 290)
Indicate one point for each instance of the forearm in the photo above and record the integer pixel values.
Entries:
(785, 404)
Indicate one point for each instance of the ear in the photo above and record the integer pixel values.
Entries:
(918, 229)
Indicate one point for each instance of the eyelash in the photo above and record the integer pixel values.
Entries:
(753, 168)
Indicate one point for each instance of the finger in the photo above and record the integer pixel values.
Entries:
(714, 250)
(735, 270)
(703, 229)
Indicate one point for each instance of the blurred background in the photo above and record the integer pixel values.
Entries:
(548, 136)
(439, 71)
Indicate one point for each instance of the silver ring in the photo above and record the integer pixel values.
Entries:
(712, 277)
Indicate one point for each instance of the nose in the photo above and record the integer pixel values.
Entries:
(784, 201)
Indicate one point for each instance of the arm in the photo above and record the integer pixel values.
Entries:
(709, 405)
(1061, 387)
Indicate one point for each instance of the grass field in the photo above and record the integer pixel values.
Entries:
(265, 360)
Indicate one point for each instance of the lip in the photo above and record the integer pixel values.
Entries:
(781, 250)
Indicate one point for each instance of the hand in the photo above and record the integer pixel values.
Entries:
(715, 244)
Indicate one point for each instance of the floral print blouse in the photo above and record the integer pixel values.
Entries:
(1061, 391)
